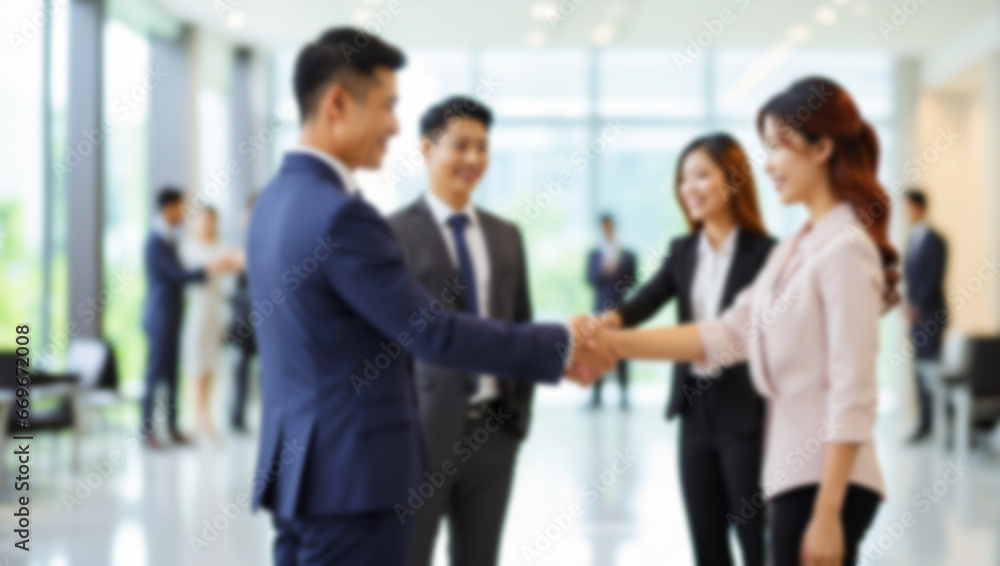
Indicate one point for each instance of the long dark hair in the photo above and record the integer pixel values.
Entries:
(741, 192)
(817, 107)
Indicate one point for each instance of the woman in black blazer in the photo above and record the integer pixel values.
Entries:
(721, 442)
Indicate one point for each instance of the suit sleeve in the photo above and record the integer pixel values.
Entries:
(369, 273)
(165, 265)
(653, 295)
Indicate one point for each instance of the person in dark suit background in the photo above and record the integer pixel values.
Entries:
(340, 459)
(722, 420)
(925, 263)
(611, 272)
(240, 335)
(454, 142)
(162, 312)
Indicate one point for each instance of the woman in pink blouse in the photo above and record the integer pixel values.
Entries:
(808, 325)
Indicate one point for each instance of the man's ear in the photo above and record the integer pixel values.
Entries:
(426, 146)
(334, 104)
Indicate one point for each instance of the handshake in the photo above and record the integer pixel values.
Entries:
(593, 351)
(227, 263)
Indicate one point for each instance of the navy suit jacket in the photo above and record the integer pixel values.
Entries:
(610, 289)
(165, 280)
(925, 267)
(339, 317)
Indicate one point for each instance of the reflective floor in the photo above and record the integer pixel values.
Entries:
(183, 506)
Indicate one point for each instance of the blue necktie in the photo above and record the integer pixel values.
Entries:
(466, 276)
(466, 273)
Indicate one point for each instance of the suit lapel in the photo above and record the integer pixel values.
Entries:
(429, 234)
(741, 264)
(493, 246)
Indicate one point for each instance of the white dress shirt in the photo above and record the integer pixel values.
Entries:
(479, 255)
(610, 254)
(917, 235)
(710, 273)
(350, 183)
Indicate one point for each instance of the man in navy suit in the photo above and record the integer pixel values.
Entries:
(338, 316)
(165, 281)
(611, 272)
(926, 256)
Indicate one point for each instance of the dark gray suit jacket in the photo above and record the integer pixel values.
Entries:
(442, 397)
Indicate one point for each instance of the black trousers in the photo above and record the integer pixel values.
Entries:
(720, 469)
(622, 371)
(790, 513)
(241, 374)
(161, 366)
(474, 499)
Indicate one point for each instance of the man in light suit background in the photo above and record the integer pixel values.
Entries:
(926, 257)
(340, 456)
(443, 236)
(611, 272)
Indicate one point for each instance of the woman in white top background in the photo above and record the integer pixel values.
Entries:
(204, 319)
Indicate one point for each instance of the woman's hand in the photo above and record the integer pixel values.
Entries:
(823, 542)
(610, 319)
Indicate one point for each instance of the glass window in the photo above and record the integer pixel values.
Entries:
(126, 193)
(542, 84)
(21, 185)
(647, 83)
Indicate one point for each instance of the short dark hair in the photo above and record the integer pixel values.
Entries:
(436, 118)
(344, 55)
(917, 197)
(606, 217)
(167, 196)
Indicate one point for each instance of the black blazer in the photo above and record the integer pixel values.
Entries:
(609, 290)
(732, 396)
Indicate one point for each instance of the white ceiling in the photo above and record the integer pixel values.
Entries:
(669, 23)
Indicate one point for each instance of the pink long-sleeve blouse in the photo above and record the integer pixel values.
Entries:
(809, 327)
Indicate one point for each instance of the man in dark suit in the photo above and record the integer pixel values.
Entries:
(926, 257)
(165, 281)
(611, 272)
(452, 405)
(340, 463)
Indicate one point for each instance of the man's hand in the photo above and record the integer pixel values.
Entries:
(610, 319)
(593, 354)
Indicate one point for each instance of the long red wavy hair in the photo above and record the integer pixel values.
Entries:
(817, 107)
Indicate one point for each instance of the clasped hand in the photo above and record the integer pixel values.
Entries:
(593, 352)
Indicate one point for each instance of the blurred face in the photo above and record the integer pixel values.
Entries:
(366, 123)
(796, 166)
(173, 213)
(207, 225)
(457, 160)
(703, 187)
(914, 213)
(608, 229)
